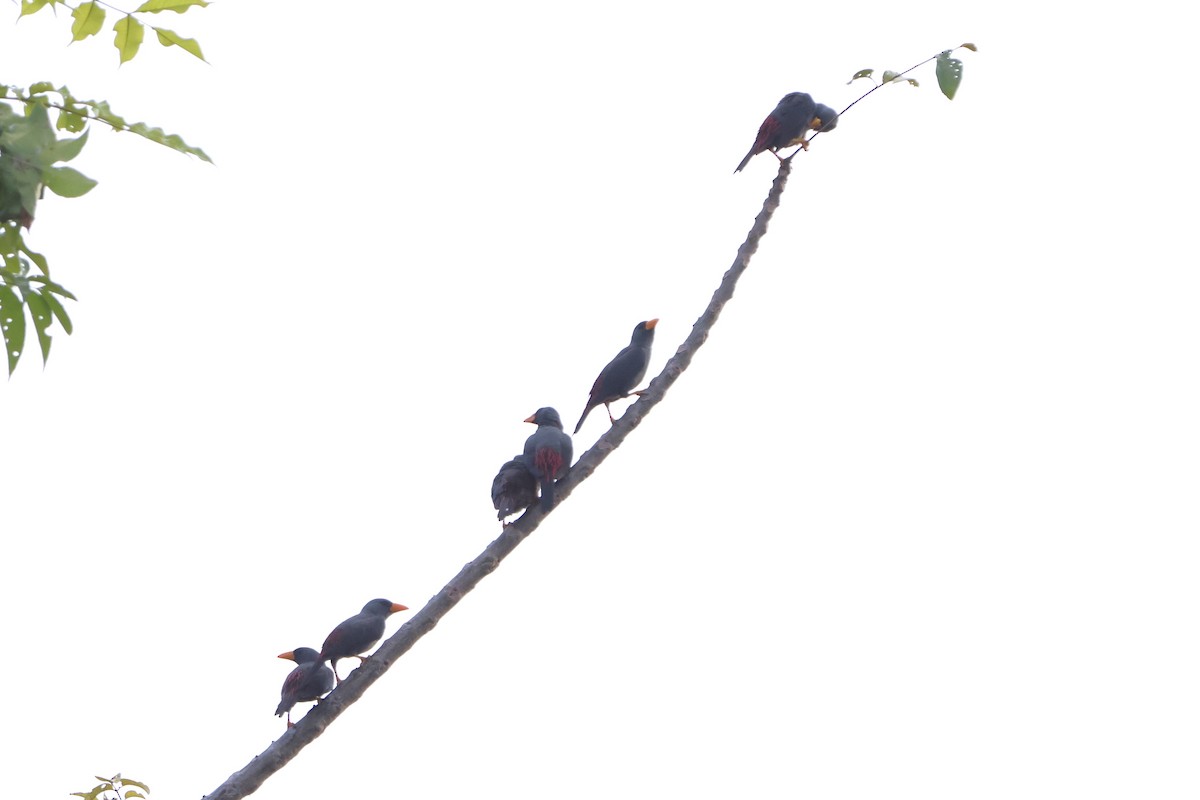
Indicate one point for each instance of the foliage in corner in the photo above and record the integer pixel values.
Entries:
(89, 17)
(30, 157)
(115, 788)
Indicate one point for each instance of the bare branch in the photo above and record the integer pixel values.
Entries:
(284, 749)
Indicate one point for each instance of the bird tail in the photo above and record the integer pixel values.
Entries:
(547, 501)
(745, 161)
(586, 411)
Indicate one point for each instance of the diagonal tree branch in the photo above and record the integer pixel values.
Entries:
(286, 747)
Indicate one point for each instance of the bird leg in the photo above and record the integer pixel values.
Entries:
(610, 416)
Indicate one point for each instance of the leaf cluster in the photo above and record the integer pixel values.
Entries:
(31, 155)
(115, 788)
(89, 18)
(948, 71)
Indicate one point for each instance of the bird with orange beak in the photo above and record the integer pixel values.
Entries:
(625, 371)
(310, 680)
(358, 634)
(548, 452)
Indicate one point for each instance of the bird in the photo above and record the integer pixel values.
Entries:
(548, 452)
(785, 126)
(624, 372)
(355, 636)
(310, 680)
(514, 488)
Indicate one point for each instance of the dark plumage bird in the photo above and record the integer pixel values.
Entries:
(548, 452)
(360, 633)
(785, 126)
(624, 372)
(514, 488)
(310, 680)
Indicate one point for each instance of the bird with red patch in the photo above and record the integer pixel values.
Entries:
(514, 488)
(786, 126)
(619, 376)
(310, 680)
(355, 636)
(548, 452)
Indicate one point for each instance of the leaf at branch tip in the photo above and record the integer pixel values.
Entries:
(178, 6)
(949, 74)
(41, 87)
(59, 312)
(89, 18)
(970, 46)
(167, 38)
(67, 181)
(862, 73)
(129, 37)
(170, 140)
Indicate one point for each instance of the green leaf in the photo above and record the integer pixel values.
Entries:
(895, 77)
(102, 112)
(51, 286)
(949, 74)
(133, 793)
(167, 139)
(131, 781)
(12, 324)
(862, 73)
(71, 121)
(59, 312)
(89, 18)
(178, 6)
(129, 37)
(42, 317)
(67, 149)
(33, 6)
(36, 258)
(67, 181)
(970, 46)
(41, 87)
(167, 38)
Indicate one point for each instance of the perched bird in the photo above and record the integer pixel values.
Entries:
(825, 120)
(514, 488)
(624, 372)
(787, 125)
(357, 635)
(310, 680)
(548, 452)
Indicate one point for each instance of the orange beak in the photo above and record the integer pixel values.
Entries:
(530, 417)
(290, 655)
(650, 325)
(397, 607)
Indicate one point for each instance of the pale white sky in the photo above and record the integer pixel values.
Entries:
(921, 519)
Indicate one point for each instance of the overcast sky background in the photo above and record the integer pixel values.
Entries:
(921, 518)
